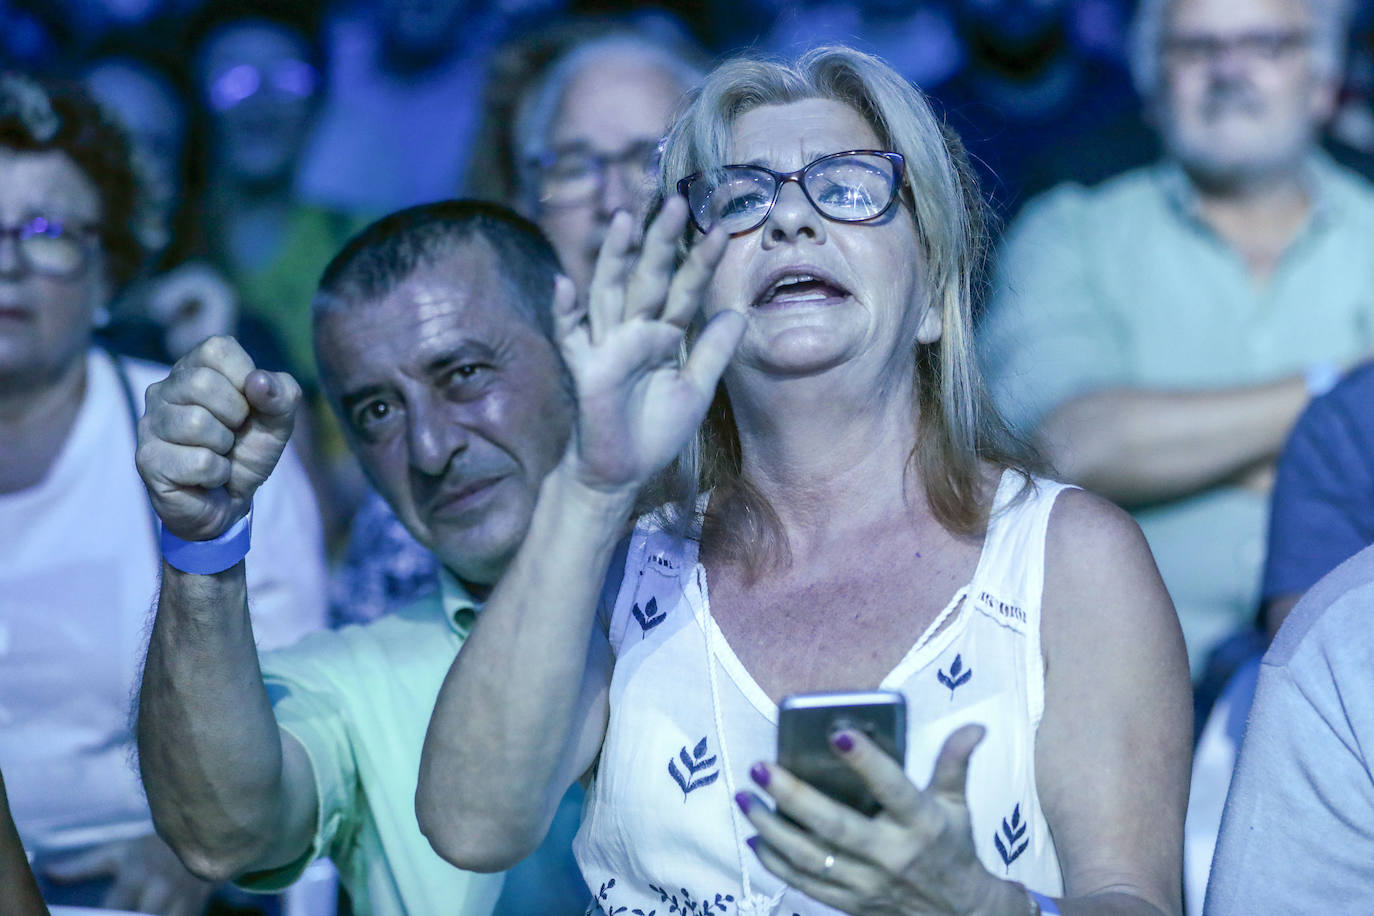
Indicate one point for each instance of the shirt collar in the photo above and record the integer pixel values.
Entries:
(1317, 174)
(460, 609)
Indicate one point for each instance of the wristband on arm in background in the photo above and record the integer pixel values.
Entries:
(204, 558)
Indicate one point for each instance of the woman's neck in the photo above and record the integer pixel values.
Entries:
(816, 457)
(35, 420)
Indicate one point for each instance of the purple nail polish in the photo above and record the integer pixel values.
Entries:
(744, 800)
(843, 741)
(759, 773)
(753, 843)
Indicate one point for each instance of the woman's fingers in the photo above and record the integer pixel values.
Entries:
(883, 775)
(817, 887)
(712, 350)
(647, 345)
(950, 776)
(792, 853)
(830, 822)
(606, 295)
(567, 314)
(654, 270)
(690, 282)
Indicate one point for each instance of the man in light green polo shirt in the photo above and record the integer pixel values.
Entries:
(433, 330)
(1159, 334)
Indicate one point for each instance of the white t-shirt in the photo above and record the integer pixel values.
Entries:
(660, 824)
(77, 585)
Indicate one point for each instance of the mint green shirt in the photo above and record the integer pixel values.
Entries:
(1124, 286)
(359, 701)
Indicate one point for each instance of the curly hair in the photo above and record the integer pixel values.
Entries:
(39, 116)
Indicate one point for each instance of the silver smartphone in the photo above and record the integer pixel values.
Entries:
(805, 723)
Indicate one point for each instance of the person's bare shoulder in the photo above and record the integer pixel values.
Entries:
(1112, 756)
(1100, 576)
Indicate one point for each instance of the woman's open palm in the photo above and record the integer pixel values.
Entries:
(638, 403)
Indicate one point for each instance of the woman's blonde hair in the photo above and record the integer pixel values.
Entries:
(958, 428)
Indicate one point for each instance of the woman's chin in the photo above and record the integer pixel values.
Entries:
(799, 358)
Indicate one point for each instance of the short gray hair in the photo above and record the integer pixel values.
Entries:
(535, 114)
(1330, 21)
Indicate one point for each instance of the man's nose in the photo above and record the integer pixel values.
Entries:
(620, 188)
(1228, 60)
(435, 434)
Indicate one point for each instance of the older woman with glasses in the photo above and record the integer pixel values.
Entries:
(852, 515)
(79, 541)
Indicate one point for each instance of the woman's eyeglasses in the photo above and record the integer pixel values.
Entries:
(850, 187)
(51, 246)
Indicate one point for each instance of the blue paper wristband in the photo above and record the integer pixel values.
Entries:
(204, 558)
(1047, 905)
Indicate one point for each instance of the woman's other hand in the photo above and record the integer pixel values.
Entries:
(148, 877)
(915, 856)
(638, 404)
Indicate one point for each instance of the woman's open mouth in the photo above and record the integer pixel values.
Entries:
(792, 288)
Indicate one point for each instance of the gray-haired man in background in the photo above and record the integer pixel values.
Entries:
(1159, 334)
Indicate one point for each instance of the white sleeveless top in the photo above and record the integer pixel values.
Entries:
(660, 831)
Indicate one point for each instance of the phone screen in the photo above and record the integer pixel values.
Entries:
(805, 723)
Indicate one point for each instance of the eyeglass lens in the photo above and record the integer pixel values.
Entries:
(291, 78)
(577, 175)
(847, 188)
(47, 246)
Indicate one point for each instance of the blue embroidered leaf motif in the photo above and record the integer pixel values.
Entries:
(613, 910)
(1013, 832)
(649, 617)
(958, 676)
(697, 770)
(687, 906)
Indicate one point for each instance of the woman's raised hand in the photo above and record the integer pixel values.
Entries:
(637, 403)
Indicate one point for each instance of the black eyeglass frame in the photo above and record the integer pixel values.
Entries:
(79, 233)
(781, 178)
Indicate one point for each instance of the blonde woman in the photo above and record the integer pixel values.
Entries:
(864, 522)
